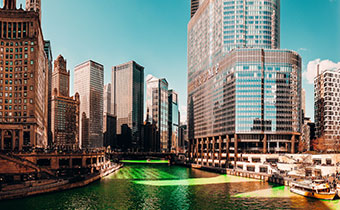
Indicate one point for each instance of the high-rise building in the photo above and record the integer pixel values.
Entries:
(235, 24)
(327, 106)
(157, 103)
(128, 99)
(109, 120)
(65, 109)
(48, 51)
(244, 94)
(183, 138)
(107, 99)
(89, 83)
(303, 102)
(23, 79)
(110, 130)
(174, 121)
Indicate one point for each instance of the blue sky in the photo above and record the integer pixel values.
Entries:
(154, 34)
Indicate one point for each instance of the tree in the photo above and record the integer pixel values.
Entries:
(303, 146)
(319, 145)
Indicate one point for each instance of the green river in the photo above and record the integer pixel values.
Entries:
(159, 186)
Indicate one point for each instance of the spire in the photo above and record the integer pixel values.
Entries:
(10, 4)
(34, 5)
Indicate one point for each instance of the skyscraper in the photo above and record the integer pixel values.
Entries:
(109, 120)
(128, 99)
(244, 94)
(157, 103)
(89, 83)
(107, 99)
(64, 109)
(23, 79)
(174, 121)
(327, 106)
(48, 51)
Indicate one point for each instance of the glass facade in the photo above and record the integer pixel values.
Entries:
(158, 108)
(242, 89)
(173, 121)
(127, 97)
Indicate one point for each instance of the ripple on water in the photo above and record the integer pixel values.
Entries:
(154, 187)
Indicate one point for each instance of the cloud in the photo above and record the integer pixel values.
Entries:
(302, 49)
(183, 110)
(312, 68)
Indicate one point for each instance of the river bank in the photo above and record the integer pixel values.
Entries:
(47, 186)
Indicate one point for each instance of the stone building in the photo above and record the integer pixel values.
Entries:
(23, 79)
(65, 109)
(89, 83)
(48, 51)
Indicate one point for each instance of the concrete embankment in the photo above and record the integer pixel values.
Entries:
(54, 186)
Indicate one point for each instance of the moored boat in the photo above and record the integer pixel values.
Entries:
(313, 189)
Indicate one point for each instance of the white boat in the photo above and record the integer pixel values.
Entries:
(313, 189)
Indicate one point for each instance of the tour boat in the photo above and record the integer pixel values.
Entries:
(313, 189)
(195, 165)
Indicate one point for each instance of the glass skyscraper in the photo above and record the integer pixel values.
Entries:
(174, 121)
(158, 108)
(244, 93)
(128, 98)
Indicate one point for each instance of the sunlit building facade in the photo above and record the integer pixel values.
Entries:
(23, 80)
(244, 94)
(174, 120)
(327, 107)
(65, 109)
(157, 104)
(89, 83)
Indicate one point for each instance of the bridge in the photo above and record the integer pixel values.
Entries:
(142, 155)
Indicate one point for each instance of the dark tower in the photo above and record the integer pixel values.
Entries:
(194, 7)
(10, 4)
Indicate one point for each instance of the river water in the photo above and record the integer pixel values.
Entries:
(159, 186)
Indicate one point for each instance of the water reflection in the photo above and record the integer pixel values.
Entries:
(127, 189)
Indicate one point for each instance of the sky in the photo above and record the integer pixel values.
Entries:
(154, 34)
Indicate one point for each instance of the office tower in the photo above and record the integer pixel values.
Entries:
(107, 99)
(327, 106)
(183, 138)
(89, 83)
(244, 94)
(128, 99)
(110, 130)
(109, 120)
(235, 24)
(34, 5)
(48, 52)
(173, 120)
(23, 80)
(65, 109)
(194, 7)
(157, 103)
